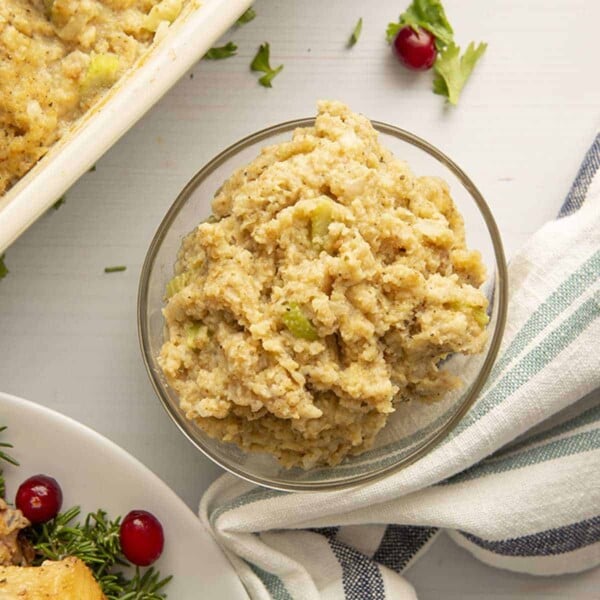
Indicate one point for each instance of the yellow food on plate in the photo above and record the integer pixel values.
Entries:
(12, 522)
(68, 579)
(328, 285)
(57, 58)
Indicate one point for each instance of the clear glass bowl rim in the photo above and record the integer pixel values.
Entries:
(500, 296)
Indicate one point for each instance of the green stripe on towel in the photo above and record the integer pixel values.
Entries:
(254, 495)
(556, 303)
(585, 418)
(575, 444)
(274, 584)
(533, 362)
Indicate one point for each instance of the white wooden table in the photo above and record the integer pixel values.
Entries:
(68, 336)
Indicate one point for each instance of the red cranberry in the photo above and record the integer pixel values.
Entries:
(142, 538)
(415, 49)
(39, 498)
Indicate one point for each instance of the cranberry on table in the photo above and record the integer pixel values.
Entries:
(39, 498)
(141, 537)
(415, 49)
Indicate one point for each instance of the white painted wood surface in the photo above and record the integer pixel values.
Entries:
(68, 336)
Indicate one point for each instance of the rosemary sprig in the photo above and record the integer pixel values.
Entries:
(6, 457)
(143, 586)
(96, 542)
(3, 455)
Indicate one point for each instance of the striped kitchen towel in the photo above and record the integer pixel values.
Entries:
(517, 483)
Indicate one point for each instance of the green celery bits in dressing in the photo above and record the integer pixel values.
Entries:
(298, 323)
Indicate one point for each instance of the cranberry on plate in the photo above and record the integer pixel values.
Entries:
(141, 537)
(39, 498)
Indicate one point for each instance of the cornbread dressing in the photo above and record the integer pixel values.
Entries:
(328, 285)
(57, 58)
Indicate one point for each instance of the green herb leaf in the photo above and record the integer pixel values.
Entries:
(392, 31)
(220, 52)
(144, 586)
(261, 63)
(355, 33)
(427, 14)
(59, 202)
(248, 16)
(92, 169)
(3, 268)
(6, 457)
(116, 269)
(3, 456)
(453, 70)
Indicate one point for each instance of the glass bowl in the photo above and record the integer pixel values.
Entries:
(414, 428)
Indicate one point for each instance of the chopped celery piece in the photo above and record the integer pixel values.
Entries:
(298, 324)
(167, 10)
(177, 283)
(478, 312)
(456, 305)
(195, 333)
(320, 219)
(481, 316)
(101, 72)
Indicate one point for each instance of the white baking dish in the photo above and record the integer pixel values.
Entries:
(187, 40)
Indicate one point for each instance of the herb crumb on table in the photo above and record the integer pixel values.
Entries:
(261, 63)
(3, 268)
(355, 33)
(221, 52)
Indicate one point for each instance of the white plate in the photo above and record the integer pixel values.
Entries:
(95, 473)
(187, 40)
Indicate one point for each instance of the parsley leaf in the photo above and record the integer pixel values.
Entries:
(248, 16)
(355, 33)
(453, 70)
(427, 14)
(3, 269)
(59, 202)
(219, 52)
(116, 269)
(392, 31)
(261, 63)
